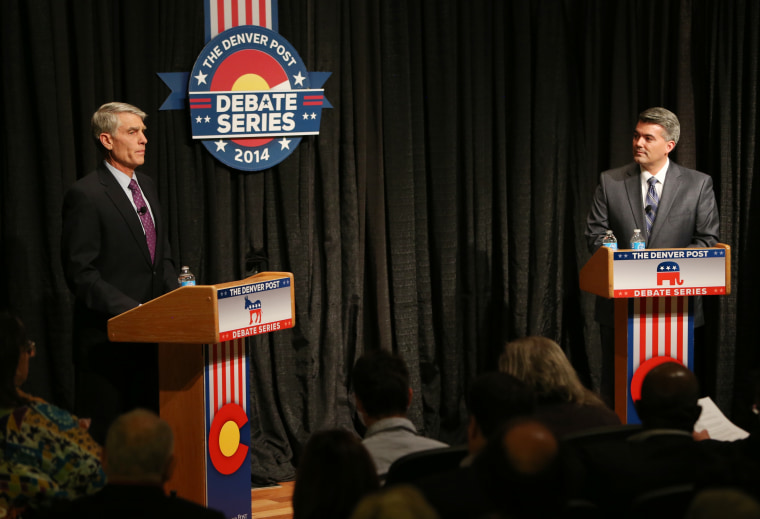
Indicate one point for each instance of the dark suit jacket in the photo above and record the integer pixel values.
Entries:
(613, 472)
(687, 215)
(105, 256)
(108, 268)
(132, 502)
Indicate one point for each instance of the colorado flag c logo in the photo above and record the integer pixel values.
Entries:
(224, 447)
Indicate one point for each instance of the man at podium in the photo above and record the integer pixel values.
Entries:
(115, 254)
(673, 206)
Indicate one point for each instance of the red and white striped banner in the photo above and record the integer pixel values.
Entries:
(660, 327)
(226, 376)
(226, 14)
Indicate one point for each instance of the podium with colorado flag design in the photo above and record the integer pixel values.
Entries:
(653, 291)
(204, 377)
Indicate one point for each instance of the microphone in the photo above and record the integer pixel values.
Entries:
(647, 209)
(142, 210)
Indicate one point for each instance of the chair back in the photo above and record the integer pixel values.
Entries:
(599, 434)
(669, 502)
(420, 464)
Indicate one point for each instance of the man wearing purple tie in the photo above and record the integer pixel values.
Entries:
(116, 255)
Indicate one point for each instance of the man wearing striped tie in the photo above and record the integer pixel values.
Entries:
(674, 206)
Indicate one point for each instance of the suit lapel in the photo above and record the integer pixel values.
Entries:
(670, 192)
(119, 198)
(633, 189)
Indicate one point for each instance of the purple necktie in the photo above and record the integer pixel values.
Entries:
(147, 221)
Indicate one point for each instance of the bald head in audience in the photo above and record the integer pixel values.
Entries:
(139, 449)
(669, 395)
(519, 470)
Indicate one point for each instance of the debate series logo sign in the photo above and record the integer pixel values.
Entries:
(251, 97)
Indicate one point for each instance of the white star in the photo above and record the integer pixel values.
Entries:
(299, 78)
(305, 117)
(285, 143)
(313, 115)
(201, 77)
(207, 119)
(220, 144)
(198, 119)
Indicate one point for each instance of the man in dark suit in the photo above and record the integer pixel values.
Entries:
(138, 459)
(676, 208)
(665, 453)
(116, 256)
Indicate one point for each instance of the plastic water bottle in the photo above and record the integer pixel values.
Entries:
(186, 278)
(609, 240)
(637, 240)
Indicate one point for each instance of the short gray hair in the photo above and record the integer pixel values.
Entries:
(139, 447)
(106, 118)
(666, 119)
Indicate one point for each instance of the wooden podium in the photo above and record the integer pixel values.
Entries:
(653, 290)
(204, 377)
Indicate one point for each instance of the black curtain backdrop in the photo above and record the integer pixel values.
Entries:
(439, 213)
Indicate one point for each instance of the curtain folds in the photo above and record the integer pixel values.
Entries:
(439, 213)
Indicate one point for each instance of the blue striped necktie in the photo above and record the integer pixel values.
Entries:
(651, 206)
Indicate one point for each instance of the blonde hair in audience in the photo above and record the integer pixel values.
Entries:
(542, 365)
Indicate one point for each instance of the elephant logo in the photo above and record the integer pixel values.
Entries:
(669, 271)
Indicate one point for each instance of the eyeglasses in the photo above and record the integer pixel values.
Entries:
(31, 348)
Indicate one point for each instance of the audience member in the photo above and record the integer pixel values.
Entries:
(563, 403)
(520, 471)
(719, 503)
(335, 472)
(516, 474)
(138, 459)
(397, 502)
(383, 395)
(46, 454)
(664, 453)
(493, 399)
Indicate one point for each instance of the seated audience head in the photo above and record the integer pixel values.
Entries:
(396, 502)
(717, 503)
(15, 352)
(519, 470)
(139, 449)
(669, 395)
(494, 399)
(543, 366)
(334, 473)
(381, 386)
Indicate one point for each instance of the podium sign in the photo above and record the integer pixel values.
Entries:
(653, 306)
(254, 308)
(666, 273)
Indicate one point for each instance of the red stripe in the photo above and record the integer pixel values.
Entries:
(220, 16)
(198, 107)
(668, 326)
(234, 13)
(249, 12)
(214, 361)
(263, 13)
(241, 382)
(310, 103)
(642, 330)
(223, 368)
(313, 97)
(656, 327)
(679, 333)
